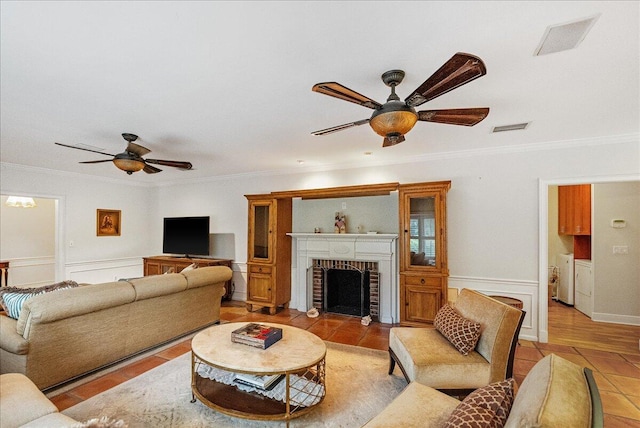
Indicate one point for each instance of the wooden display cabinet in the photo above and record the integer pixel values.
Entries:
(269, 252)
(423, 251)
(158, 265)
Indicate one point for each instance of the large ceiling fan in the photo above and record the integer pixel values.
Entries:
(131, 159)
(395, 118)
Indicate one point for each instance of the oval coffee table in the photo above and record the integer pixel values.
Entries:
(299, 357)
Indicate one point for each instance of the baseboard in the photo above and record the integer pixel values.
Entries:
(616, 319)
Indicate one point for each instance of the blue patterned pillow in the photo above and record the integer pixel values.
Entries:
(12, 298)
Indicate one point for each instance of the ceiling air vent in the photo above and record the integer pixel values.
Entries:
(562, 37)
(514, 127)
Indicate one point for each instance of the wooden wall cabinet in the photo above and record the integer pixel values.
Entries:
(423, 251)
(158, 265)
(574, 210)
(269, 252)
(574, 217)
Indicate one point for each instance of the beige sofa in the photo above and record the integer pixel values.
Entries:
(23, 405)
(555, 393)
(67, 333)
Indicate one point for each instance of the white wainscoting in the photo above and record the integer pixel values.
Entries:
(239, 280)
(31, 271)
(526, 291)
(98, 271)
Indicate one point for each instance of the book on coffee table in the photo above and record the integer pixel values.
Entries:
(265, 382)
(257, 335)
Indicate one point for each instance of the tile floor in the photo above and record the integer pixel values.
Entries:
(617, 374)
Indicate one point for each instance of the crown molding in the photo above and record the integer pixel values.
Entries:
(461, 154)
(5, 166)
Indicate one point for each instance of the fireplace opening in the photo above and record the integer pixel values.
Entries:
(347, 291)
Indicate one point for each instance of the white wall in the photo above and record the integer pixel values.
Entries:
(616, 276)
(92, 258)
(493, 207)
(369, 213)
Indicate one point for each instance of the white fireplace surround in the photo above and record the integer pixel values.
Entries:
(381, 248)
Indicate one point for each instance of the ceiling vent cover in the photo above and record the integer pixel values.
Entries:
(514, 127)
(562, 37)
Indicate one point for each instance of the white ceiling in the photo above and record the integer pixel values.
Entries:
(227, 85)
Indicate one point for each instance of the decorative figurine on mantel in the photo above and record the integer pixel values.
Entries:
(340, 225)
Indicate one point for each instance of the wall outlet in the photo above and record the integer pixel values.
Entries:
(344, 205)
(620, 249)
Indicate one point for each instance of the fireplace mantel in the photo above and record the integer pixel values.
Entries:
(381, 248)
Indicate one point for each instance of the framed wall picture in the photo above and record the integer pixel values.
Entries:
(108, 222)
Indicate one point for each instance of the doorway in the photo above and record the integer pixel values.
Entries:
(545, 224)
(32, 240)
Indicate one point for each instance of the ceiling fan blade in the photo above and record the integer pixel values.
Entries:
(137, 149)
(336, 90)
(340, 127)
(392, 141)
(151, 169)
(461, 116)
(98, 161)
(86, 150)
(462, 68)
(175, 164)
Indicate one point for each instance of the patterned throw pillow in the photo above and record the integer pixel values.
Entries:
(461, 332)
(488, 407)
(12, 298)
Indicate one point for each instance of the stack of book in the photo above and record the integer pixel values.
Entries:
(266, 382)
(257, 335)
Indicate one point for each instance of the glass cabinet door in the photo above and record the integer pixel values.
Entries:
(423, 247)
(260, 239)
(422, 231)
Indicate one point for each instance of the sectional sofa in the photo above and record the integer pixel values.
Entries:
(61, 335)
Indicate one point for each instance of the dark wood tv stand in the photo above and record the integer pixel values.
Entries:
(158, 265)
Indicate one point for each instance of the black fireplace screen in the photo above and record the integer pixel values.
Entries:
(346, 291)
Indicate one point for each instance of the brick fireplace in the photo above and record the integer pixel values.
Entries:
(375, 254)
(346, 287)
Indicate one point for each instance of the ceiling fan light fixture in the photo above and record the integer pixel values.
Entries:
(395, 118)
(128, 165)
(394, 139)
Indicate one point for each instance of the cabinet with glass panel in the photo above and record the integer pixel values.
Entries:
(269, 253)
(423, 251)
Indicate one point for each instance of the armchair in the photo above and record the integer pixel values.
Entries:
(426, 356)
(556, 392)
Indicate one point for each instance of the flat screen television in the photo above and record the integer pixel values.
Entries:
(186, 236)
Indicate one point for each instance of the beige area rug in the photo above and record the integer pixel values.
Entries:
(358, 388)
